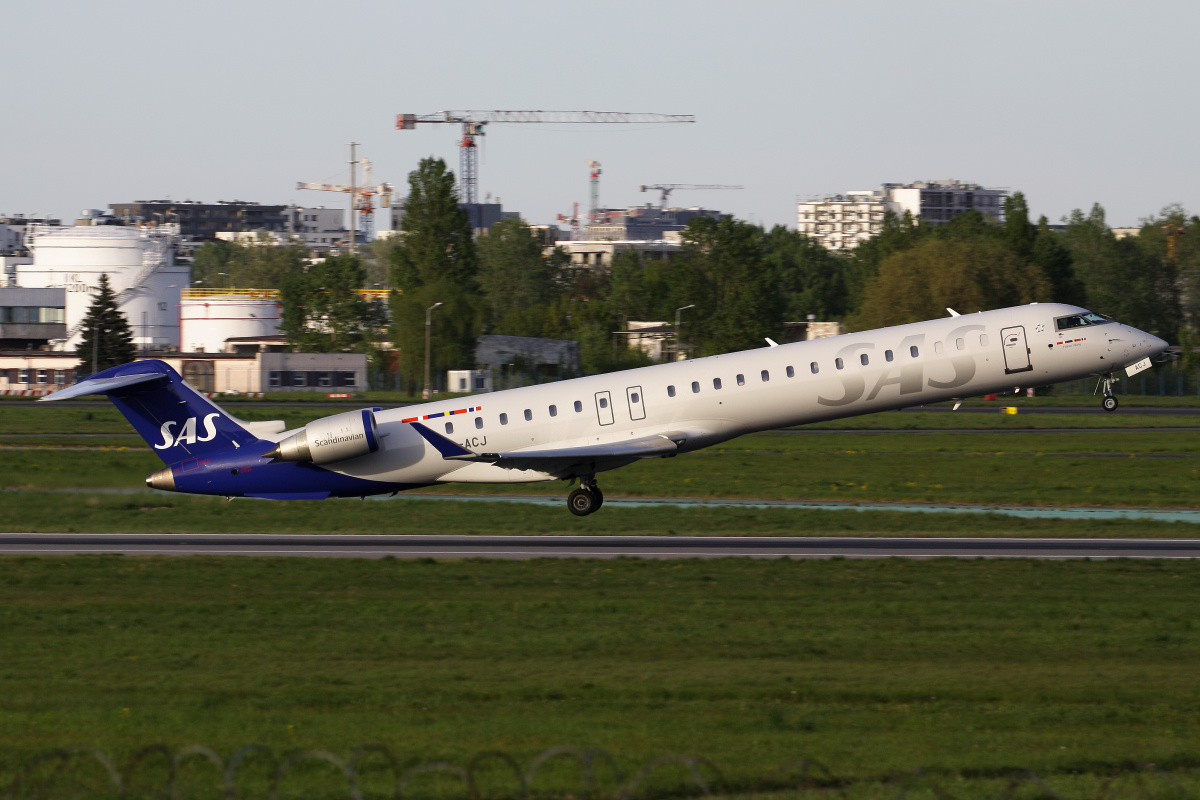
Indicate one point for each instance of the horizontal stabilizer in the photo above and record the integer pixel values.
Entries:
(101, 385)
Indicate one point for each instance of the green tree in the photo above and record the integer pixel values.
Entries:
(323, 311)
(899, 232)
(628, 293)
(1052, 255)
(1020, 234)
(737, 301)
(922, 282)
(515, 278)
(1122, 278)
(261, 264)
(434, 262)
(811, 278)
(107, 339)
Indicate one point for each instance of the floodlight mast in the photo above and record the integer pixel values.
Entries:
(473, 123)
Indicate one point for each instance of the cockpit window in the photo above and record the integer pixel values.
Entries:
(1080, 320)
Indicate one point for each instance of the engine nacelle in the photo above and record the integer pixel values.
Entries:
(336, 438)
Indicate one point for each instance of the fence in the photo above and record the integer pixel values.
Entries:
(255, 771)
(1163, 380)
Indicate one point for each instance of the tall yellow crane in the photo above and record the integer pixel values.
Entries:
(473, 123)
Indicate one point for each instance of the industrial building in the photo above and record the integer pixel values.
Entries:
(842, 222)
(139, 262)
(210, 318)
(39, 372)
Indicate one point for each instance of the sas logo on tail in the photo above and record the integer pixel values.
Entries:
(187, 434)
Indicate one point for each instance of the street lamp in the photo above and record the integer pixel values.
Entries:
(678, 311)
(428, 329)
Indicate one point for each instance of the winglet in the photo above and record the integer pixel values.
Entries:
(771, 341)
(447, 448)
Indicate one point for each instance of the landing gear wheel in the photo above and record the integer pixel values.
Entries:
(1110, 403)
(582, 502)
(595, 490)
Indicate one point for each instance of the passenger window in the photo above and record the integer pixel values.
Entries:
(554, 411)
(912, 351)
(837, 362)
(815, 369)
(604, 402)
(578, 407)
(633, 398)
(937, 347)
(449, 427)
(766, 376)
(504, 419)
(528, 415)
(862, 359)
(695, 387)
(983, 340)
(479, 422)
(741, 379)
(670, 391)
(887, 356)
(961, 344)
(716, 383)
(791, 373)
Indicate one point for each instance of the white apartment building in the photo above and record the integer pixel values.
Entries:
(841, 222)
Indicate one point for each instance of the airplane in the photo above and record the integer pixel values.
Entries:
(575, 429)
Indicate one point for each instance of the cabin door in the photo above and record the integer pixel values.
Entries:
(636, 408)
(604, 411)
(1016, 350)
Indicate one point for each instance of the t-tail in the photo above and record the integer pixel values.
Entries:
(173, 418)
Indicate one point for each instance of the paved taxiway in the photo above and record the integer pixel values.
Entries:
(528, 547)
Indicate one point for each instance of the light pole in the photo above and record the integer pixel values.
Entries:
(678, 311)
(428, 329)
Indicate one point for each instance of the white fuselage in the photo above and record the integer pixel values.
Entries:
(709, 400)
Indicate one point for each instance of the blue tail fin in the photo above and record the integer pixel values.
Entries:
(173, 418)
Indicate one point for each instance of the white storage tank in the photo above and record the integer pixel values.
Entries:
(139, 262)
(208, 317)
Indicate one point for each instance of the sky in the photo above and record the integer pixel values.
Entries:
(1073, 103)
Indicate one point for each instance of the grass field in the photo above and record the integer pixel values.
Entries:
(1133, 468)
(145, 513)
(870, 667)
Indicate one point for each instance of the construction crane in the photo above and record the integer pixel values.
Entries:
(473, 123)
(667, 188)
(360, 196)
(573, 221)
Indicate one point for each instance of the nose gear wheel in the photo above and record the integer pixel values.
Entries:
(1106, 381)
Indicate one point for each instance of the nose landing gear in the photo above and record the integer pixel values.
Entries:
(1107, 381)
(585, 500)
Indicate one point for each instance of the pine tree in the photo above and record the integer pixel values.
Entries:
(435, 262)
(107, 338)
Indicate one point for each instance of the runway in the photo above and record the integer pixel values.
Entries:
(531, 547)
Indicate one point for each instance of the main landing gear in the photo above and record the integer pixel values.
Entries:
(585, 500)
(1109, 402)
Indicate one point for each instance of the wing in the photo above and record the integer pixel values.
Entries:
(561, 461)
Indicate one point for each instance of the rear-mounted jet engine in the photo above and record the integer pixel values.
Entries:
(336, 438)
